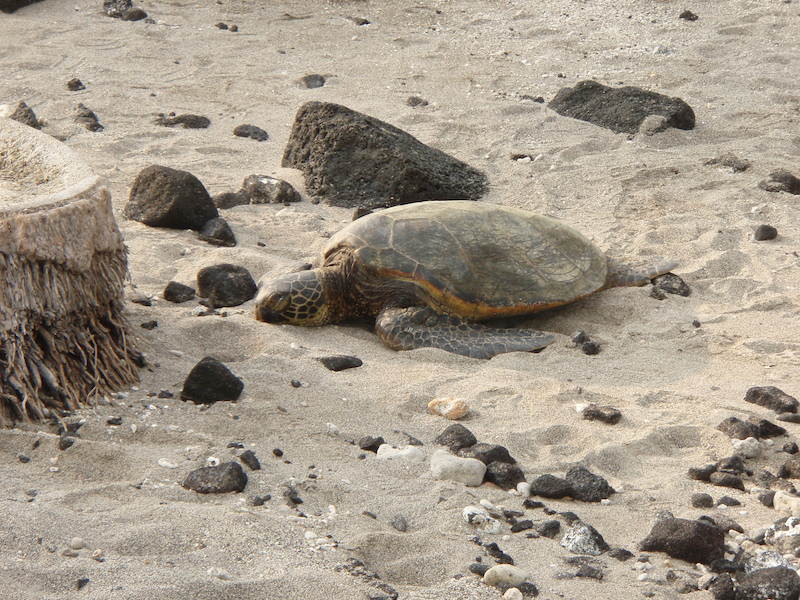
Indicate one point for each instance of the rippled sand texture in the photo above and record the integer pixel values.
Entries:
(473, 61)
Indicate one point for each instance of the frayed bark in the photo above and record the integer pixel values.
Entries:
(63, 337)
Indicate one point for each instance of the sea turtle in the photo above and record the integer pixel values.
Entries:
(430, 271)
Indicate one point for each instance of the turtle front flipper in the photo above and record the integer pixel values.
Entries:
(410, 328)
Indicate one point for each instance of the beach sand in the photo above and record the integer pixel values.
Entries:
(473, 61)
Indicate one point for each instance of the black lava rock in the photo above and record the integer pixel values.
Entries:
(24, 114)
(350, 159)
(86, 118)
(225, 285)
(728, 501)
(478, 569)
(263, 189)
(606, 414)
(249, 458)
(727, 480)
(701, 500)
(149, 325)
(164, 197)
(587, 486)
(114, 421)
(688, 15)
(455, 437)
(503, 474)
(177, 292)
(187, 121)
(767, 498)
(550, 486)
(701, 473)
(211, 381)
(487, 453)
(790, 448)
(251, 131)
(75, 85)
(548, 529)
(774, 583)
(620, 109)
(766, 429)
(312, 81)
(226, 477)
(9, 6)
(765, 232)
(370, 443)
(523, 525)
(781, 181)
(590, 348)
(217, 232)
(772, 398)
(692, 541)
(620, 554)
(671, 284)
(736, 428)
(340, 362)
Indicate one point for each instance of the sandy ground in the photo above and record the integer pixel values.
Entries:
(472, 60)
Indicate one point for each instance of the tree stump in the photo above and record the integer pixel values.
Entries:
(63, 338)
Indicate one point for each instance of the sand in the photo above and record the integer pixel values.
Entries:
(472, 61)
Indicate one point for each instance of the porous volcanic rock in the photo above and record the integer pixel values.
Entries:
(621, 110)
(353, 160)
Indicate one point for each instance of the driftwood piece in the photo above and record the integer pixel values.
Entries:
(63, 337)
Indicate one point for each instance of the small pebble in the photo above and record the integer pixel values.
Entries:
(312, 81)
(74, 85)
(449, 408)
(340, 362)
(765, 232)
(688, 15)
(590, 348)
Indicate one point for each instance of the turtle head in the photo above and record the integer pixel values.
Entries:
(296, 298)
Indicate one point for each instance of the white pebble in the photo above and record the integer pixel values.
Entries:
(487, 504)
(512, 594)
(332, 429)
(469, 471)
(504, 575)
(410, 453)
(77, 543)
(747, 448)
(605, 501)
(163, 462)
(524, 488)
(212, 461)
(479, 517)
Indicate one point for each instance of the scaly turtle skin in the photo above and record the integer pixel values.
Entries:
(430, 271)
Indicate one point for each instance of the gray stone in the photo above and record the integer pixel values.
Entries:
(772, 398)
(211, 381)
(351, 159)
(263, 189)
(692, 541)
(455, 437)
(216, 231)
(225, 285)
(620, 109)
(221, 479)
(775, 583)
(781, 181)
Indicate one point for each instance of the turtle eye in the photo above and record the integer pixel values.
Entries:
(278, 301)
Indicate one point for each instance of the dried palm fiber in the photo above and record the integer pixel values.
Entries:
(63, 338)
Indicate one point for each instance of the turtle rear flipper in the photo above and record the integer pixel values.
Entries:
(624, 275)
(410, 328)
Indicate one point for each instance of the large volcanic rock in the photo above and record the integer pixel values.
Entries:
(353, 160)
(620, 109)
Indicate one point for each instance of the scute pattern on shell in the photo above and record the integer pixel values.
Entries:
(478, 260)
